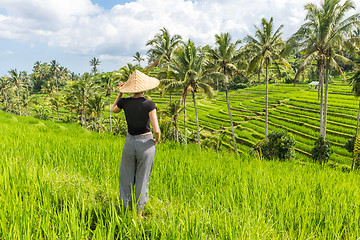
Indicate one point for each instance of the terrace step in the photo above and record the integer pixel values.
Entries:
(315, 111)
(312, 103)
(329, 122)
(344, 135)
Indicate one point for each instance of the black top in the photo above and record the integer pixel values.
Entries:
(137, 114)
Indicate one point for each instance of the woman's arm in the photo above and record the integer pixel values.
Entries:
(115, 108)
(155, 125)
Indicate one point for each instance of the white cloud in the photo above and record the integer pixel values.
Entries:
(80, 27)
(8, 52)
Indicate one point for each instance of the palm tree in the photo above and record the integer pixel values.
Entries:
(173, 111)
(108, 80)
(352, 44)
(63, 73)
(137, 57)
(94, 62)
(41, 74)
(96, 107)
(123, 74)
(163, 46)
(16, 84)
(56, 103)
(69, 102)
(224, 57)
(26, 81)
(326, 29)
(188, 69)
(4, 91)
(265, 48)
(48, 88)
(82, 90)
(54, 69)
(26, 99)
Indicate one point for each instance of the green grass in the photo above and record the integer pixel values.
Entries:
(59, 181)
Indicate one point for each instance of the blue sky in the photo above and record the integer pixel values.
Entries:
(108, 4)
(74, 31)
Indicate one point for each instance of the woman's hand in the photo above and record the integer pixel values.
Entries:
(120, 85)
(115, 108)
(155, 125)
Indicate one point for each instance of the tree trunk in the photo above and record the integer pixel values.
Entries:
(56, 80)
(18, 95)
(321, 86)
(357, 133)
(176, 131)
(6, 100)
(185, 121)
(266, 100)
(231, 121)
(326, 97)
(84, 114)
(57, 111)
(197, 120)
(357, 125)
(353, 164)
(98, 121)
(52, 110)
(110, 116)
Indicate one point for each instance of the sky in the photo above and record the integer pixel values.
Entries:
(74, 31)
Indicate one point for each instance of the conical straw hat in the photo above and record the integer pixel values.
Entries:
(139, 82)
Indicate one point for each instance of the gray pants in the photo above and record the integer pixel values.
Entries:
(135, 169)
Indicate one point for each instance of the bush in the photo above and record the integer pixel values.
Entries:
(237, 83)
(349, 145)
(321, 151)
(279, 144)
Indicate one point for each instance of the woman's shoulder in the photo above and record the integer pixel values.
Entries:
(150, 104)
(149, 101)
(126, 99)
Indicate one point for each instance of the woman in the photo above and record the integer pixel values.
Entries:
(139, 149)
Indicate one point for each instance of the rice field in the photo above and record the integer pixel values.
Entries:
(294, 109)
(59, 181)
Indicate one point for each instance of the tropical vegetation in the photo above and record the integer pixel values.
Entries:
(60, 142)
(329, 40)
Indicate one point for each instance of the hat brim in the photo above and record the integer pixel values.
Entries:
(139, 82)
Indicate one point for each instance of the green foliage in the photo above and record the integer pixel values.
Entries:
(354, 81)
(349, 145)
(279, 144)
(119, 125)
(169, 121)
(213, 140)
(41, 113)
(321, 151)
(237, 82)
(356, 152)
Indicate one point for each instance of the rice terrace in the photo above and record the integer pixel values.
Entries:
(259, 138)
